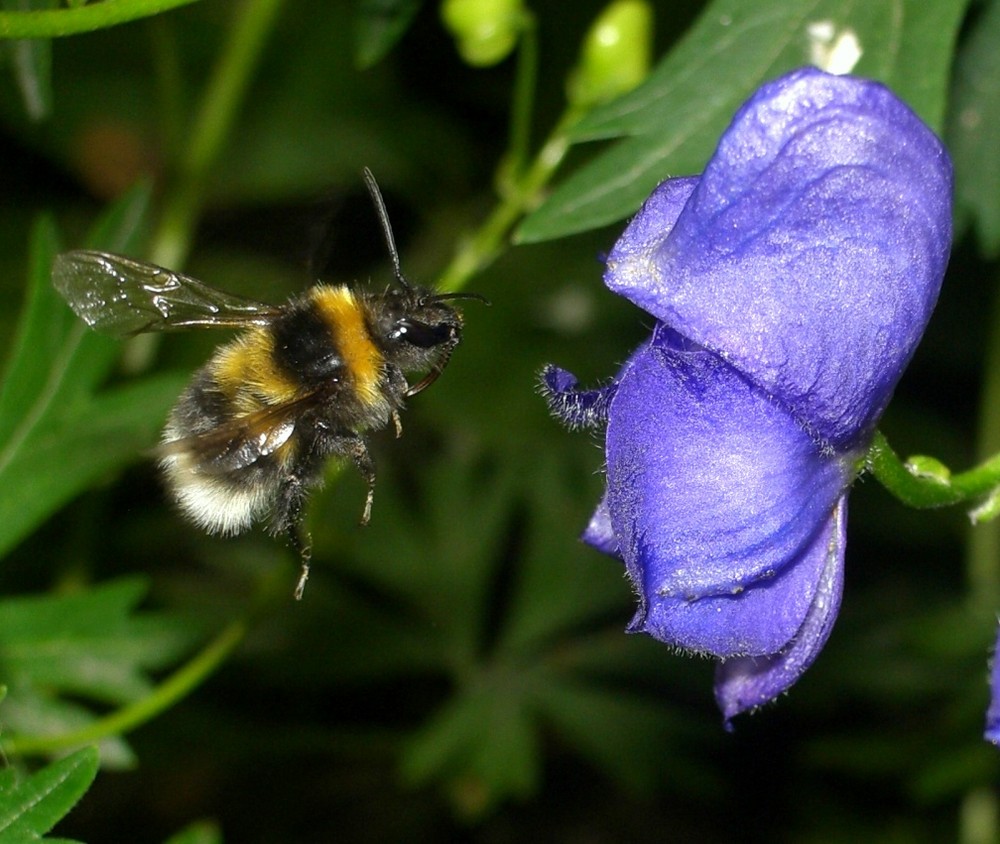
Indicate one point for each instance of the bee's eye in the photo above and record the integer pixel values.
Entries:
(422, 335)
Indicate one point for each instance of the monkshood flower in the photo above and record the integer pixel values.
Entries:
(992, 733)
(790, 284)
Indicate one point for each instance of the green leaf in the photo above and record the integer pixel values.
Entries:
(123, 223)
(379, 25)
(623, 733)
(29, 808)
(90, 645)
(671, 123)
(53, 351)
(41, 335)
(67, 452)
(556, 594)
(484, 741)
(57, 435)
(35, 712)
(974, 130)
(31, 63)
(431, 575)
(316, 120)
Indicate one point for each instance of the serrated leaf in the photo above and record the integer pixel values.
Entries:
(34, 712)
(65, 455)
(31, 806)
(88, 643)
(622, 733)
(672, 122)
(41, 334)
(48, 331)
(484, 741)
(558, 593)
(379, 24)
(57, 436)
(91, 646)
(441, 570)
(974, 129)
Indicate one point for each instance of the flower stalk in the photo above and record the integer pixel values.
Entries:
(920, 488)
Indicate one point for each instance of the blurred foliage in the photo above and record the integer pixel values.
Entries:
(456, 670)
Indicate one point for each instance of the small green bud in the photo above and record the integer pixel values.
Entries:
(616, 53)
(928, 468)
(486, 31)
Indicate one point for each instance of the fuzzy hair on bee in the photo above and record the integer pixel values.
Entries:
(300, 384)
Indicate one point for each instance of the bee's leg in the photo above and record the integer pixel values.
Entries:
(396, 385)
(357, 448)
(288, 520)
(302, 544)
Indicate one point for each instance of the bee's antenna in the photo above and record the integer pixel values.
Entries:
(383, 219)
(440, 297)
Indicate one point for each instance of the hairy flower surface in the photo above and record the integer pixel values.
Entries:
(992, 733)
(791, 283)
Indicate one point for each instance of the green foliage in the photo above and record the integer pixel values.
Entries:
(671, 123)
(31, 805)
(60, 432)
(973, 127)
(380, 25)
(60, 649)
(458, 668)
(31, 63)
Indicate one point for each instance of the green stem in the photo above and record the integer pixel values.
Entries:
(164, 50)
(56, 23)
(983, 549)
(482, 248)
(213, 123)
(170, 691)
(523, 102)
(924, 490)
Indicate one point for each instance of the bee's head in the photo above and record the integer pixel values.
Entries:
(421, 320)
(417, 329)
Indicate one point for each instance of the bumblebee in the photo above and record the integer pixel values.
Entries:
(302, 383)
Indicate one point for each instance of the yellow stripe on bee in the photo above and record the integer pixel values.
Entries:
(246, 371)
(345, 316)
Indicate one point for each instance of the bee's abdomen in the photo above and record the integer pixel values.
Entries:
(223, 502)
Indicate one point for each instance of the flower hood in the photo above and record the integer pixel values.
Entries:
(791, 283)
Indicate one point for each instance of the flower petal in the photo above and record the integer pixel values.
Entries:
(627, 261)
(759, 622)
(747, 682)
(992, 733)
(715, 496)
(810, 253)
(599, 533)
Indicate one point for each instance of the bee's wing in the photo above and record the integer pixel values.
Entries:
(121, 296)
(243, 440)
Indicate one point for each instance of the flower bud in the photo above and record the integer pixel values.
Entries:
(928, 468)
(616, 53)
(486, 31)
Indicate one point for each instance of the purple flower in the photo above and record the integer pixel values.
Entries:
(993, 713)
(790, 283)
